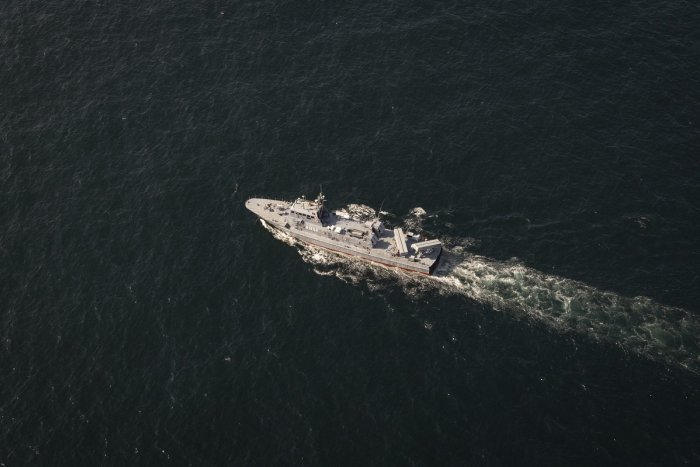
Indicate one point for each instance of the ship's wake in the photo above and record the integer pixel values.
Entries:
(636, 324)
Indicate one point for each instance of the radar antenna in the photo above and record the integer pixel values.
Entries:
(320, 199)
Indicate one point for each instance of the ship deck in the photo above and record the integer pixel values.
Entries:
(348, 236)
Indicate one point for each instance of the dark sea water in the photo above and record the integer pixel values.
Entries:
(147, 318)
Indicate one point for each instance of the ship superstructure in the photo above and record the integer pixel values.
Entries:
(311, 222)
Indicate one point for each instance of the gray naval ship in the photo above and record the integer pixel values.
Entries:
(310, 222)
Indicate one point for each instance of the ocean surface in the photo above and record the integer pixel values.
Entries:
(147, 318)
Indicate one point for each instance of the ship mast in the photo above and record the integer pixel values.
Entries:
(320, 199)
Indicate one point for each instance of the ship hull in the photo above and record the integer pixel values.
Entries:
(309, 222)
(420, 269)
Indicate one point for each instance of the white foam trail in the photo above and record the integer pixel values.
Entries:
(360, 212)
(636, 324)
(414, 220)
(418, 212)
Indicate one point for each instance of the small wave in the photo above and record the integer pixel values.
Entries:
(279, 234)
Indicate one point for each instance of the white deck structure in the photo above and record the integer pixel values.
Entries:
(310, 222)
(400, 241)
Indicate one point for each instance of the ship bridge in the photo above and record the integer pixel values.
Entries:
(312, 210)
